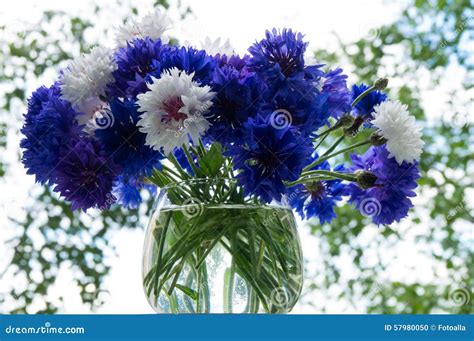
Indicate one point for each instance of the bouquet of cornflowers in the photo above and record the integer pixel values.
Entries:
(150, 114)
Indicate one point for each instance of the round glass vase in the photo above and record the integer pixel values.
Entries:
(208, 249)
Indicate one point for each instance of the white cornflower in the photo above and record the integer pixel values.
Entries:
(213, 47)
(86, 78)
(152, 25)
(174, 110)
(399, 128)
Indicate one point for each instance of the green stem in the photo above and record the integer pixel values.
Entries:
(201, 147)
(229, 281)
(210, 247)
(344, 150)
(190, 160)
(309, 179)
(171, 171)
(362, 95)
(329, 174)
(336, 126)
(177, 271)
(160, 251)
(196, 151)
(321, 141)
(254, 296)
(334, 145)
(173, 254)
(205, 288)
(199, 287)
(187, 299)
(173, 303)
(245, 273)
(183, 174)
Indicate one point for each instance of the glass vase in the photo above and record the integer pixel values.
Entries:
(208, 249)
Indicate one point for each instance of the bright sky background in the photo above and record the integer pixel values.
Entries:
(242, 22)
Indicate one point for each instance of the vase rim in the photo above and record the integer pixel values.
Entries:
(163, 191)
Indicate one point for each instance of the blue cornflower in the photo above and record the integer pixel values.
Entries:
(305, 113)
(190, 60)
(125, 144)
(317, 198)
(388, 199)
(84, 176)
(234, 62)
(128, 191)
(339, 97)
(38, 98)
(136, 63)
(49, 125)
(279, 60)
(237, 98)
(365, 107)
(267, 156)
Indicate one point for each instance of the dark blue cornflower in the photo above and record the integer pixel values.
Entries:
(267, 156)
(128, 191)
(317, 198)
(339, 97)
(136, 63)
(388, 199)
(279, 60)
(305, 113)
(238, 97)
(84, 175)
(190, 60)
(50, 123)
(38, 98)
(125, 144)
(234, 62)
(365, 107)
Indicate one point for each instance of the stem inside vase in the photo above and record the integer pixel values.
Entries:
(222, 258)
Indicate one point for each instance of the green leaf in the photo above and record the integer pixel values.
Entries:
(188, 291)
(212, 161)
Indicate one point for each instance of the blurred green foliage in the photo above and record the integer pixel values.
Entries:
(45, 243)
(430, 35)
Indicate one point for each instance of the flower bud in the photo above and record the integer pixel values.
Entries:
(377, 140)
(346, 120)
(353, 129)
(381, 83)
(365, 179)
